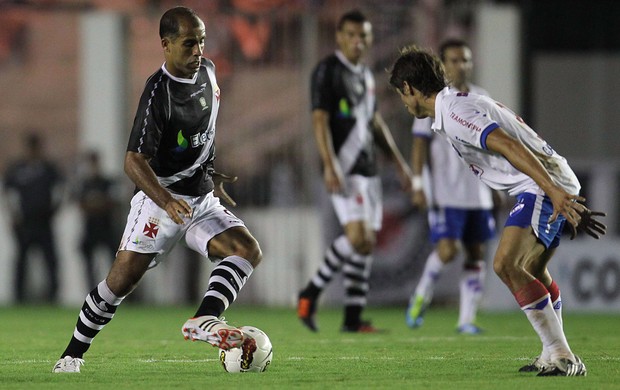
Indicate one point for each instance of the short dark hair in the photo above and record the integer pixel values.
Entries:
(169, 23)
(355, 16)
(449, 44)
(420, 69)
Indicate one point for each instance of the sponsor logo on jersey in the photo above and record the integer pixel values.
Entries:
(465, 123)
(201, 138)
(181, 142)
(344, 111)
(548, 149)
(201, 90)
(359, 88)
(203, 103)
(196, 140)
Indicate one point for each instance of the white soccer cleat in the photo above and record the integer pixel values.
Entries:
(68, 364)
(214, 331)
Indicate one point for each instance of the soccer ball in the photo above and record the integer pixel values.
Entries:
(253, 356)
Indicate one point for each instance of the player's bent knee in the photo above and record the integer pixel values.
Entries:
(499, 266)
(255, 255)
(447, 249)
(250, 250)
(127, 271)
(447, 256)
(362, 246)
(504, 268)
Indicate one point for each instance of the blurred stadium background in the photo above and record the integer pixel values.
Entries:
(74, 69)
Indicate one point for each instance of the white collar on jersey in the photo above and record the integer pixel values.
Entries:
(179, 79)
(438, 122)
(354, 68)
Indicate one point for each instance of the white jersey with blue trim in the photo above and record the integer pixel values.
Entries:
(448, 183)
(466, 119)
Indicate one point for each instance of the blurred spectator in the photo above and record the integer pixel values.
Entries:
(32, 186)
(97, 199)
(251, 25)
(12, 33)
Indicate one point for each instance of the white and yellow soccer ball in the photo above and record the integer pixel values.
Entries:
(254, 355)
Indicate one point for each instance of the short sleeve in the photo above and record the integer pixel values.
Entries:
(321, 89)
(149, 121)
(468, 120)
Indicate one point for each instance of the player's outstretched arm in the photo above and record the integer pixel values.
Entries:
(569, 205)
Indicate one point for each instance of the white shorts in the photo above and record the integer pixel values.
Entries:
(361, 201)
(149, 229)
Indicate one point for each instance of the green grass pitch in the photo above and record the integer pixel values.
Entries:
(142, 348)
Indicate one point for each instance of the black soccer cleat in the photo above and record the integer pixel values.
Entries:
(565, 367)
(535, 366)
(306, 309)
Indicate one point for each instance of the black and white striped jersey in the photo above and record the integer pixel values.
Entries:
(347, 93)
(175, 126)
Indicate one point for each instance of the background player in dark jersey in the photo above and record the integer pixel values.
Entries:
(33, 186)
(170, 159)
(347, 127)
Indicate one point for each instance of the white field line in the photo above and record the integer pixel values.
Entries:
(301, 358)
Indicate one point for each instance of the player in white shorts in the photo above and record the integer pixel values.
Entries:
(149, 230)
(459, 205)
(170, 158)
(508, 155)
(361, 201)
(348, 127)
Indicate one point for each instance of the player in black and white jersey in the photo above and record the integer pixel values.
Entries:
(170, 159)
(347, 127)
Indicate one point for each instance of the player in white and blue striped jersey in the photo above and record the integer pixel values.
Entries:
(505, 153)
